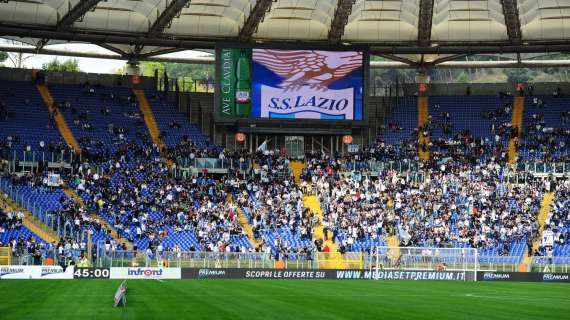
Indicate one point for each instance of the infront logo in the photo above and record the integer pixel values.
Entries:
(144, 272)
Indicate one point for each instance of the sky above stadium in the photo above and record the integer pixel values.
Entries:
(91, 65)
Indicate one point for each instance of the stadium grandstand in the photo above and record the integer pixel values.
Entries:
(325, 140)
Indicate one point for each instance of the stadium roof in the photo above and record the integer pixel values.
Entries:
(141, 29)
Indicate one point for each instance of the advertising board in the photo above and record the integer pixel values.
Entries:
(354, 274)
(145, 273)
(523, 276)
(290, 84)
(36, 272)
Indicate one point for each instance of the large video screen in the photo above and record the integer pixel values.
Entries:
(290, 84)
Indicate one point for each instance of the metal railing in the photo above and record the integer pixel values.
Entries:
(49, 219)
(554, 264)
(387, 259)
(200, 260)
(415, 172)
(499, 263)
(349, 260)
(212, 163)
(28, 161)
(66, 156)
(546, 167)
(49, 257)
(381, 166)
(36, 208)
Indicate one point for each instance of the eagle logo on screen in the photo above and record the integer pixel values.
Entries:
(312, 68)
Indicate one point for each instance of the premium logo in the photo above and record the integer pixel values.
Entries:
(496, 276)
(144, 272)
(47, 271)
(555, 277)
(10, 270)
(211, 273)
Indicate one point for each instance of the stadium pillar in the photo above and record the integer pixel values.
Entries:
(133, 68)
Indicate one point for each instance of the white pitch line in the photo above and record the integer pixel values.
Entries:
(467, 295)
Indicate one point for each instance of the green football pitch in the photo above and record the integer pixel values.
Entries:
(283, 299)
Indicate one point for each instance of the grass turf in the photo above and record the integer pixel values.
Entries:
(283, 299)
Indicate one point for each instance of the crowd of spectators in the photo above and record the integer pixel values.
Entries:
(558, 222)
(455, 203)
(275, 204)
(29, 249)
(544, 142)
(11, 221)
(141, 199)
(461, 200)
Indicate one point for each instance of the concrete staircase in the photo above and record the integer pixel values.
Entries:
(30, 221)
(393, 247)
(544, 212)
(113, 233)
(518, 110)
(334, 259)
(150, 120)
(242, 219)
(312, 202)
(5, 256)
(296, 167)
(59, 119)
(422, 120)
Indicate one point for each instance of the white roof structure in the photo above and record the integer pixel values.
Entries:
(421, 29)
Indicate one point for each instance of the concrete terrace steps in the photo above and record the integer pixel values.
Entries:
(150, 120)
(297, 167)
(422, 120)
(5, 256)
(312, 202)
(73, 195)
(59, 119)
(32, 223)
(334, 259)
(544, 212)
(243, 221)
(518, 110)
(393, 246)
